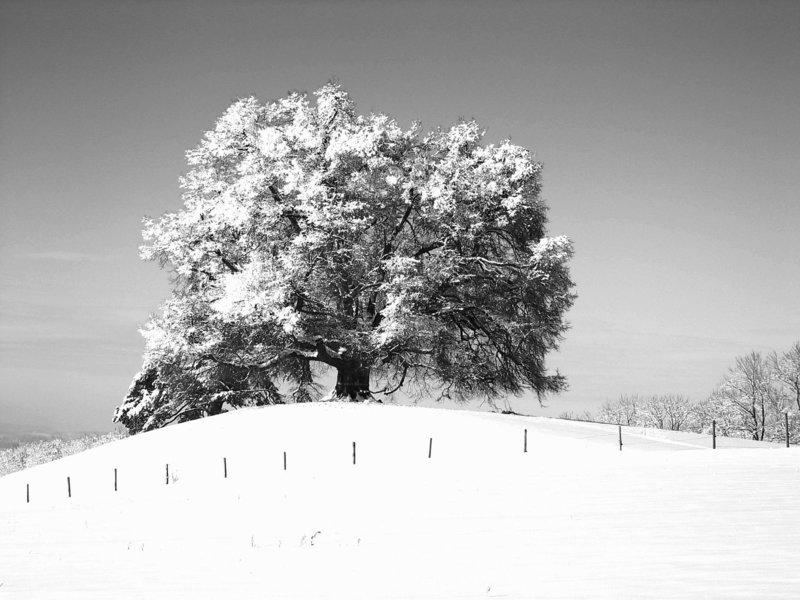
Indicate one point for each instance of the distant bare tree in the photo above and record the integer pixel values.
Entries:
(749, 390)
(652, 413)
(786, 367)
(670, 411)
(625, 411)
(586, 415)
(720, 410)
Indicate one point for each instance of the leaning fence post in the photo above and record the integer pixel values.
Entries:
(713, 435)
(620, 437)
(430, 447)
(225, 467)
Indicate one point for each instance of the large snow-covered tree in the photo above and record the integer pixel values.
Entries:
(313, 237)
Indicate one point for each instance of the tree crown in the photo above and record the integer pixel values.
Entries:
(311, 235)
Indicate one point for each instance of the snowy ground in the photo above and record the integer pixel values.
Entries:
(572, 518)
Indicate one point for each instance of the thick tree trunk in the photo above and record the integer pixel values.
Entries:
(214, 408)
(352, 383)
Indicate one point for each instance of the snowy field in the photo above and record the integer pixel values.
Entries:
(572, 518)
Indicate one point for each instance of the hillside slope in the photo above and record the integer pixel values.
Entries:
(571, 517)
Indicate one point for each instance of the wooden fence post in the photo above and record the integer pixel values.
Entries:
(225, 467)
(115, 479)
(786, 415)
(713, 435)
(354, 453)
(69, 489)
(28, 493)
(284, 460)
(430, 447)
(525, 444)
(167, 476)
(620, 437)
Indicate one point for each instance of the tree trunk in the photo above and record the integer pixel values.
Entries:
(214, 408)
(352, 383)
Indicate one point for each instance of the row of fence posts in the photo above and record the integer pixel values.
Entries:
(714, 433)
(225, 468)
(430, 455)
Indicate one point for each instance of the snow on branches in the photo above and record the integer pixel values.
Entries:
(314, 236)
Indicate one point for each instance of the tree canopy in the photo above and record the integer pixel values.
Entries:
(313, 237)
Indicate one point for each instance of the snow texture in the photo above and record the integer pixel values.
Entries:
(573, 517)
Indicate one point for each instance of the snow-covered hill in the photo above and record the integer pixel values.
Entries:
(573, 517)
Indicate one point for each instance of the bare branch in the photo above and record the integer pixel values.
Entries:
(292, 216)
(231, 267)
(428, 248)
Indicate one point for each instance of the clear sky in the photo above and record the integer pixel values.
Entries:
(669, 131)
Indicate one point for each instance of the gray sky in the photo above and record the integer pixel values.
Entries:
(670, 134)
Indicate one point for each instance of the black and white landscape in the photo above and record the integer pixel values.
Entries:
(453, 299)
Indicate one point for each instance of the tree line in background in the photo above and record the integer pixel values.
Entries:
(39, 452)
(751, 402)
